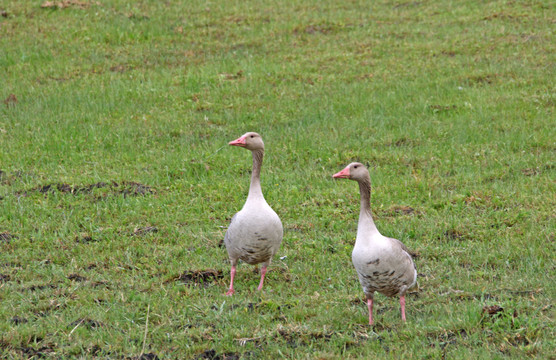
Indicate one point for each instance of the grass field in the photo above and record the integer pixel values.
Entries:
(117, 184)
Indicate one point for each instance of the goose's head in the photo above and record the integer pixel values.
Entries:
(354, 171)
(250, 141)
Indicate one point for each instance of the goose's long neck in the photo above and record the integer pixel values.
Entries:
(255, 190)
(366, 224)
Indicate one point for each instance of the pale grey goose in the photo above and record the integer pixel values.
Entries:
(255, 232)
(383, 264)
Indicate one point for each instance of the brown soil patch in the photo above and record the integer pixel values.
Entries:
(199, 277)
(11, 100)
(404, 141)
(18, 320)
(442, 108)
(212, 355)
(400, 210)
(67, 3)
(40, 287)
(32, 353)
(235, 76)
(120, 68)
(76, 277)
(316, 29)
(101, 283)
(530, 171)
(453, 234)
(294, 337)
(493, 309)
(6, 237)
(140, 231)
(85, 239)
(486, 79)
(125, 188)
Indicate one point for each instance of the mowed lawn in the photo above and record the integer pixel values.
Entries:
(117, 183)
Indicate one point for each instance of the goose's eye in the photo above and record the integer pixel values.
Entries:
(355, 167)
(252, 136)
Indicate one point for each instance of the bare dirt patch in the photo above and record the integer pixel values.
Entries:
(66, 4)
(41, 352)
(530, 171)
(400, 210)
(11, 264)
(40, 287)
(493, 309)
(447, 337)
(140, 231)
(125, 188)
(101, 283)
(296, 337)
(85, 239)
(236, 76)
(16, 320)
(505, 16)
(198, 277)
(140, 17)
(6, 237)
(11, 100)
(76, 277)
(453, 234)
(403, 141)
(264, 305)
(120, 68)
(484, 79)
(212, 355)
(436, 109)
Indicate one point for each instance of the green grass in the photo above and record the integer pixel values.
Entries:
(450, 103)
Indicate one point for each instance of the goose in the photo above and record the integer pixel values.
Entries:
(255, 232)
(382, 264)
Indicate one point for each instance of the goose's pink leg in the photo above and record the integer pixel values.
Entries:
(402, 303)
(263, 272)
(370, 306)
(231, 291)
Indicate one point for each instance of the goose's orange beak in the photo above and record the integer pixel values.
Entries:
(238, 142)
(344, 174)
